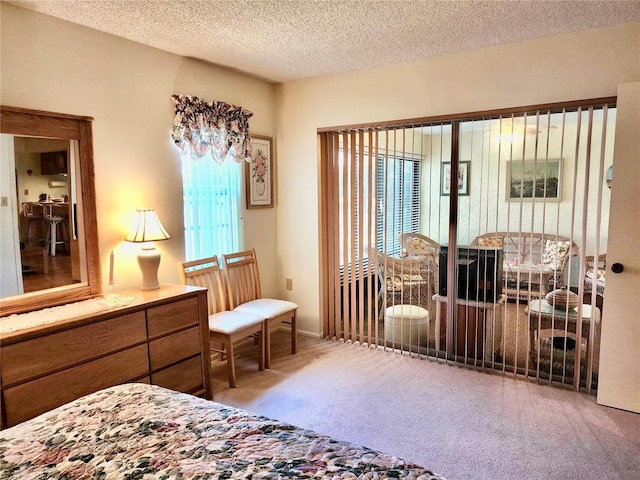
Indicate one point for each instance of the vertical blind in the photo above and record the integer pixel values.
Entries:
(527, 183)
(372, 195)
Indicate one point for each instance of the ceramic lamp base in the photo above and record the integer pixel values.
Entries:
(149, 261)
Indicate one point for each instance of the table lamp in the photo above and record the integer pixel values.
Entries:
(147, 229)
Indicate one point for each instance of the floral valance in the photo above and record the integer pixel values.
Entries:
(217, 128)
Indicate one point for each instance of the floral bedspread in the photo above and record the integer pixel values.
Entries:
(137, 431)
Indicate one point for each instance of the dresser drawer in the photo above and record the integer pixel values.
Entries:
(173, 348)
(184, 377)
(159, 338)
(172, 316)
(33, 398)
(39, 356)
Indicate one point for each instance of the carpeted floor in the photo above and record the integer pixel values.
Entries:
(460, 423)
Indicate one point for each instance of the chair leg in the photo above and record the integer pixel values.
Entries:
(64, 230)
(267, 344)
(53, 232)
(261, 350)
(294, 335)
(231, 365)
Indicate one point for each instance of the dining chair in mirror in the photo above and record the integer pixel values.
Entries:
(57, 216)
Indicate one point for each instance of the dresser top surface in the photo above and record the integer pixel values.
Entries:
(13, 327)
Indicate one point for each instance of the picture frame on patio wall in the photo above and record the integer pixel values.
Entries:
(463, 178)
(534, 179)
(258, 173)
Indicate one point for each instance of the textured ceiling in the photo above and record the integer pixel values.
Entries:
(287, 40)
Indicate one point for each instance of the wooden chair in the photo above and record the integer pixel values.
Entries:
(225, 326)
(244, 295)
(34, 214)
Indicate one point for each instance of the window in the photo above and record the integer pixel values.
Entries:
(398, 199)
(396, 190)
(212, 196)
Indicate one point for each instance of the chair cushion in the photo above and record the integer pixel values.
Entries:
(601, 274)
(554, 253)
(266, 307)
(229, 322)
(417, 245)
(497, 242)
(394, 284)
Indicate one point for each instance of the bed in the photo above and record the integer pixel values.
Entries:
(139, 431)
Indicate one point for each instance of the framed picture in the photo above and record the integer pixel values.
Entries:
(527, 179)
(258, 173)
(463, 178)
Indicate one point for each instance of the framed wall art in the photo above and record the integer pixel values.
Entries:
(530, 179)
(463, 178)
(258, 173)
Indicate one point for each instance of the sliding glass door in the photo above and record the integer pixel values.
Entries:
(446, 238)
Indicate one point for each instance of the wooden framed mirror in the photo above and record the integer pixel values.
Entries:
(21, 125)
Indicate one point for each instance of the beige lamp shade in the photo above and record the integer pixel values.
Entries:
(147, 228)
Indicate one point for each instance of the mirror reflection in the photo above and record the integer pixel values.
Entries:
(46, 196)
(47, 212)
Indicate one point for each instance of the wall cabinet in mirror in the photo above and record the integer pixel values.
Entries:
(17, 126)
(53, 163)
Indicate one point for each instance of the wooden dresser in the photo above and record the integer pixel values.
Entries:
(160, 337)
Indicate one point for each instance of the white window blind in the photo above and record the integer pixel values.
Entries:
(400, 179)
(212, 195)
(397, 194)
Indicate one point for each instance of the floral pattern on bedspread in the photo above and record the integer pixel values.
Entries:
(141, 432)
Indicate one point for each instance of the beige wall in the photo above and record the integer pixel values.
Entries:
(49, 64)
(54, 65)
(487, 209)
(576, 66)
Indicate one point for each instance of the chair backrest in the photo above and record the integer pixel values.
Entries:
(417, 244)
(26, 209)
(242, 277)
(54, 211)
(32, 210)
(396, 273)
(206, 273)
